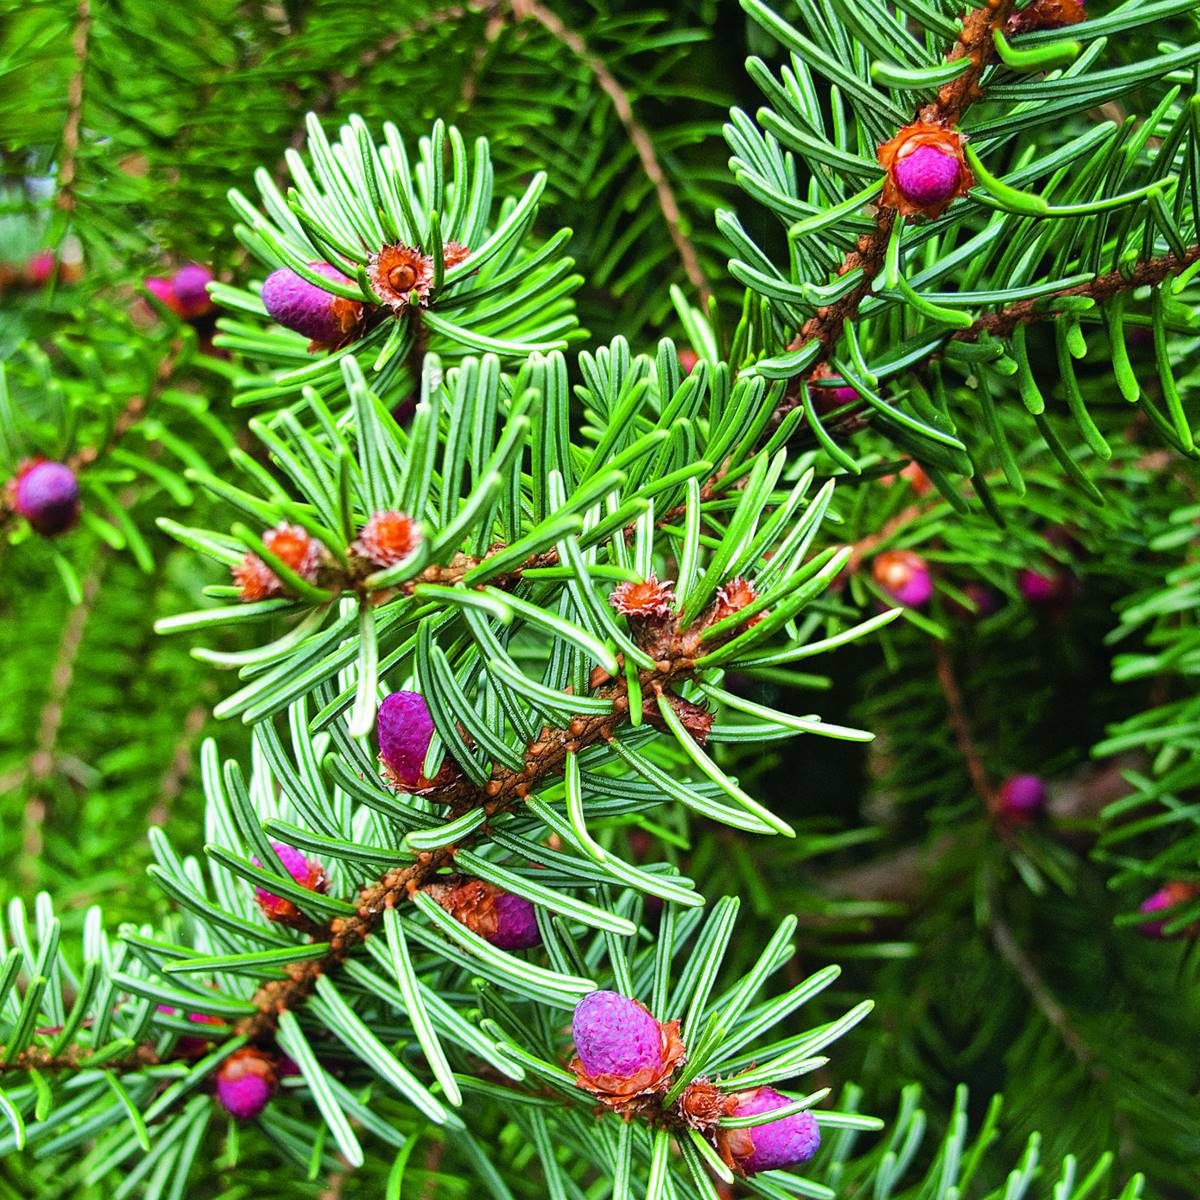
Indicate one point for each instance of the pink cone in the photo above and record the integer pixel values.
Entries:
(297, 304)
(777, 1144)
(615, 1035)
(47, 496)
(404, 728)
(1022, 797)
(927, 176)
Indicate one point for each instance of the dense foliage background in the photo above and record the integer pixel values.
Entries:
(1005, 958)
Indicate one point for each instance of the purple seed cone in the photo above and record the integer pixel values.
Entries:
(1022, 795)
(161, 290)
(305, 872)
(1038, 587)
(916, 591)
(779, 1143)
(615, 1035)
(1169, 896)
(405, 729)
(1154, 903)
(48, 497)
(927, 176)
(516, 924)
(190, 285)
(297, 304)
(246, 1081)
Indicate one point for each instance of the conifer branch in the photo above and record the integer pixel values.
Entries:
(826, 325)
(178, 766)
(960, 724)
(1104, 287)
(638, 135)
(41, 762)
(674, 650)
(339, 81)
(78, 1057)
(129, 416)
(69, 168)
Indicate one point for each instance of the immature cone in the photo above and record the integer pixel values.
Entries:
(843, 394)
(1169, 896)
(622, 1052)
(41, 266)
(401, 276)
(293, 546)
(306, 872)
(925, 169)
(326, 319)
(454, 253)
(1021, 799)
(246, 1081)
(387, 538)
(506, 921)
(830, 395)
(186, 292)
(915, 475)
(905, 577)
(1044, 589)
(404, 728)
(768, 1147)
(46, 494)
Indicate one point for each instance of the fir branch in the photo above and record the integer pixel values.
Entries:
(41, 762)
(1047, 1004)
(960, 725)
(526, 10)
(133, 411)
(78, 1057)
(1104, 287)
(674, 650)
(339, 81)
(179, 766)
(69, 168)
(826, 325)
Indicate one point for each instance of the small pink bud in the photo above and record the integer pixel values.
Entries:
(1041, 588)
(644, 600)
(41, 266)
(1021, 799)
(192, 1046)
(405, 729)
(772, 1146)
(190, 287)
(387, 538)
(927, 176)
(293, 546)
(46, 494)
(501, 918)
(306, 872)
(320, 315)
(1167, 897)
(904, 575)
(246, 1081)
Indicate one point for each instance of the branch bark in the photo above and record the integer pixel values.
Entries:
(69, 166)
(640, 138)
